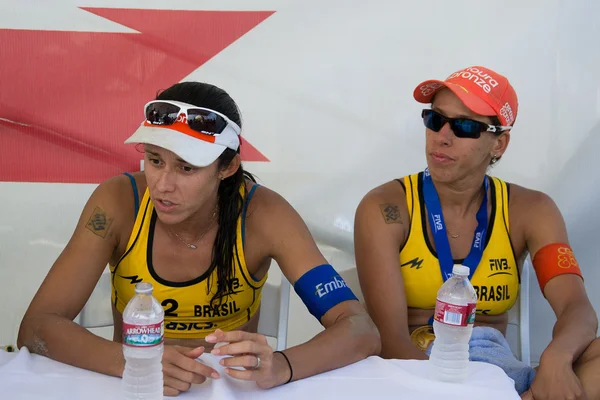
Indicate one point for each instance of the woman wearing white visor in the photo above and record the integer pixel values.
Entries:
(198, 227)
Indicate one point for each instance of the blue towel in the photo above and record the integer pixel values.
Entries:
(490, 346)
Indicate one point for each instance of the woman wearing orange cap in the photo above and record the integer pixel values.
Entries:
(481, 222)
(197, 227)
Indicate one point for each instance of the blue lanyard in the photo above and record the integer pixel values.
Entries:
(438, 227)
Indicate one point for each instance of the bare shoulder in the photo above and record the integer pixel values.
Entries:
(529, 202)
(140, 180)
(111, 207)
(391, 190)
(535, 219)
(117, 192)
(386, 202)
(267, 205)
(271, 219)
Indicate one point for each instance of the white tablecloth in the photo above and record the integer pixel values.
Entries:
(25, 376)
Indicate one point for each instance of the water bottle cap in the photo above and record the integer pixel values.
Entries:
(143, 287)
(461, 270)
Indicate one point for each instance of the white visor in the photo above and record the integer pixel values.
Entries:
(187, 143)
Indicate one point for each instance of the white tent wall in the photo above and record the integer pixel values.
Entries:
(325, 89)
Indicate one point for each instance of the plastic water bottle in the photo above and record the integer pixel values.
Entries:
(143, 332)
(453, 324)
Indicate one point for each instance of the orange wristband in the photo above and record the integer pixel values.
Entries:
(553, 260)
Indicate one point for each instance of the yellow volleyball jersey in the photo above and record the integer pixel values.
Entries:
(188, 312)
(496, 278)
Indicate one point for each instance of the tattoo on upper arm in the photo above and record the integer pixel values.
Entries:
(99, 222)
(391, 213)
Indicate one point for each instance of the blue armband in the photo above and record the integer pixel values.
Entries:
(322, 288)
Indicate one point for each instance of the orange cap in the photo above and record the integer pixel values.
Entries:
(482, 90)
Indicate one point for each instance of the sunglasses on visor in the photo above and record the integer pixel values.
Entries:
(462, 127)
(202, 120)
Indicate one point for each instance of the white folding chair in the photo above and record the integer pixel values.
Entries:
(274, 312)
(274, 309)
(97, 312)
(517, 333)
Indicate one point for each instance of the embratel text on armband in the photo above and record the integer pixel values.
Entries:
(321, 289)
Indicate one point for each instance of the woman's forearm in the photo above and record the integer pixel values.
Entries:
(402, 349)
(348, 340)
(573, 331)
(63, 340)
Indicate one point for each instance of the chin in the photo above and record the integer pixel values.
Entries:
(169, 218)
(442, 173)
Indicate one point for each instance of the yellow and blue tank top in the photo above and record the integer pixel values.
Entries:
(496, 278)
(187, 306)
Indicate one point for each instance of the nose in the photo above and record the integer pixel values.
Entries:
(445, 135)
(166, 180)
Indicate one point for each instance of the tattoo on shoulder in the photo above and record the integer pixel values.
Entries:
(391, 213)
(99, 223)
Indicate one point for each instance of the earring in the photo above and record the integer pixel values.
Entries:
(222, 177)
(495, 159)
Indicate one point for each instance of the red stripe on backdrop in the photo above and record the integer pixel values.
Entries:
(69, 99)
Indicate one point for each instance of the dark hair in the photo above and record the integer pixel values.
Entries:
(230, 200)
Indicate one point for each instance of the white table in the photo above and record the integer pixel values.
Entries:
(27, 376)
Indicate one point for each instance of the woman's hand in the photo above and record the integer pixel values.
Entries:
(181, 370)
(252, 352)
(555, 379)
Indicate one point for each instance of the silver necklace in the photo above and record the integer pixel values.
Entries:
(192, 245)
(452, 235)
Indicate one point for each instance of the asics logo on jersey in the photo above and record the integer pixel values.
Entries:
(133, 279)
(414, 263)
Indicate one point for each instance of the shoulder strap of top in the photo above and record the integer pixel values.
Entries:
(248, 197)
(136, 196)
(502, 191)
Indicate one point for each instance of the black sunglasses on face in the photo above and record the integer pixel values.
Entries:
(462, 127)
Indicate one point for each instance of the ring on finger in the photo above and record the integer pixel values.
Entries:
(257, 362)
